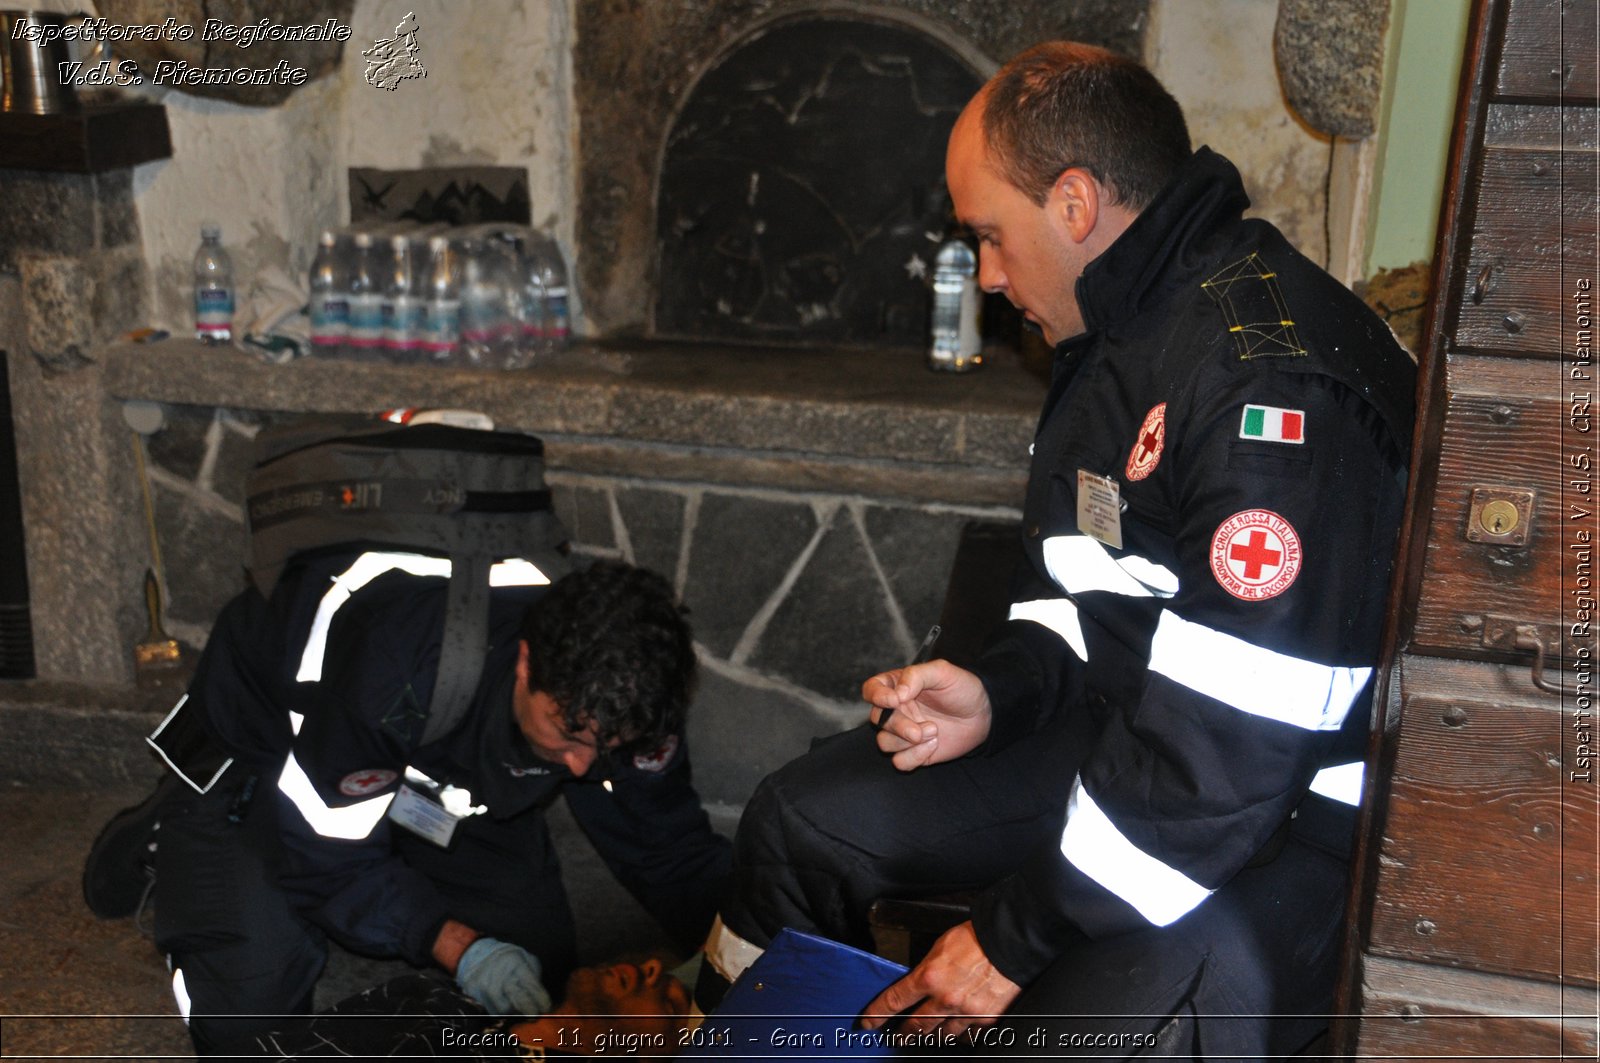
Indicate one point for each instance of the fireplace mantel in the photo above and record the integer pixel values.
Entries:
(833, 419)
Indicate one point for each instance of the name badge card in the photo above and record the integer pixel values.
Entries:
(427, 819)
(1100, 508)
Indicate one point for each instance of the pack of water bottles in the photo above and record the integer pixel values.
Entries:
(490, 296)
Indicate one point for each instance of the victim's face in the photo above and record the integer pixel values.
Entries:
(642, 990)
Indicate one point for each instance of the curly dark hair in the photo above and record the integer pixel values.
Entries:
(612, 646)
(1063, 104)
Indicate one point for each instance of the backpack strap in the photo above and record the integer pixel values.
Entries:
(462, 648)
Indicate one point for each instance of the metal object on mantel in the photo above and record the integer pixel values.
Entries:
(33, 54)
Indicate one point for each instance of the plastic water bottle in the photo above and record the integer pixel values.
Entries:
(531, 273)
(520, 341)
(402, 303)
(365, 338)
(956, 342)
(329, 303)
(487, 301)
(441, 312)
(505, 274)
(518, 268)
(213, 288)
(553, 281)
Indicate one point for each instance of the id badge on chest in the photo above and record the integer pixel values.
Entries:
(1100, 508)
(425, 818)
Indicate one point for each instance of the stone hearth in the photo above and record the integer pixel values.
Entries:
(807, 516)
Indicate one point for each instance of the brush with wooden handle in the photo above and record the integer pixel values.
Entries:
(159, 654)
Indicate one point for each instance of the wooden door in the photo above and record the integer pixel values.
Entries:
(1475, 929)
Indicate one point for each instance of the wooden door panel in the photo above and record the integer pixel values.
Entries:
(1412, 1010)
(1489, 851)
(1548, 52)
(1502, 435)
(1534, 232)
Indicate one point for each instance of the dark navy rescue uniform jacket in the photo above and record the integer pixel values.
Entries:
(324, 694)
(1215, 492)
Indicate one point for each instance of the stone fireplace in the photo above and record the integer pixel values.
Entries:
(725, 429)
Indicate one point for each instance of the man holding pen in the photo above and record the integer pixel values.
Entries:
(1152, 774)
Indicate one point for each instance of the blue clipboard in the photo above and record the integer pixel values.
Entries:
(800, 999)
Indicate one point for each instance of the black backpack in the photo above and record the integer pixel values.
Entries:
(473, 496)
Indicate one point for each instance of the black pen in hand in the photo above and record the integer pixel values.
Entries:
(924, 652)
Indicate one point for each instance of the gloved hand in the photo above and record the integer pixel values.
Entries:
(503, 977)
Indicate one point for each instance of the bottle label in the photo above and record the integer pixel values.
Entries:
(441, 326)
(403, 323)
(481, 317)
(556, 325)
(213, 311)
(330, 319)
(366, 321)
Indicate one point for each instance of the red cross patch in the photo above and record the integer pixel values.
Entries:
(1147, 447)
(361, 783)
(657, 758)
(1255, 555)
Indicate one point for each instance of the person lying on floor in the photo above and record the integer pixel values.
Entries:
(630, 1007)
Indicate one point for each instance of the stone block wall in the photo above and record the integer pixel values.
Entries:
(73, 240)
(795, 596)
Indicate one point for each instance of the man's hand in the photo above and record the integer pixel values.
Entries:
(935, 712)
(956, 983)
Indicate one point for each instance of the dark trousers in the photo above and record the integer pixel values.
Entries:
(245, 956)
(1249, 972)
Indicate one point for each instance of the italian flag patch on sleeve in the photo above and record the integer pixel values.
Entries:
(1273, 424)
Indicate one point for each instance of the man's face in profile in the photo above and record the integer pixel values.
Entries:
(624, 989)
(607, 1004)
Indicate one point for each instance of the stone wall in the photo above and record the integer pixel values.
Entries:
(795, 597)
(74, 242)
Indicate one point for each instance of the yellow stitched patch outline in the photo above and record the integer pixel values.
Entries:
(1247, 292)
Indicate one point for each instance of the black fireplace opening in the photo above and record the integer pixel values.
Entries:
(801, 193)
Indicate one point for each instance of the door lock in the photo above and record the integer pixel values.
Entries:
(1500, 515)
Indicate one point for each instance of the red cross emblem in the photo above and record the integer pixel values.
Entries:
(1255, 555)
(1147, 447)
(657, 758)
(361, 783)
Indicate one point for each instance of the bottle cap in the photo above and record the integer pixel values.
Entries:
(210, 230)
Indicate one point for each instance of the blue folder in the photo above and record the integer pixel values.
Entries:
(799, 1000)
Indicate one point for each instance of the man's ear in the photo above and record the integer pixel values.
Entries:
(651, 969)
(522, 662)
(1075, 200)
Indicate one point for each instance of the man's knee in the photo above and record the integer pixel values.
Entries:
(231, 993)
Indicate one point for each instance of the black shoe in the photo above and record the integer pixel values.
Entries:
(120, 870)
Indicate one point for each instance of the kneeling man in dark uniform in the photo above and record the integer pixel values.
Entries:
(341, 815)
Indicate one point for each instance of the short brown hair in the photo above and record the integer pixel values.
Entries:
(1062, 104)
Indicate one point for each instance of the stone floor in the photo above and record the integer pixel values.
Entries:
(73, 986)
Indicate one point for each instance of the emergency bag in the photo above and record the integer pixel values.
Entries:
(476, 496)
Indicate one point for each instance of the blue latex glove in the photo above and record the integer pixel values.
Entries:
(503, 977)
